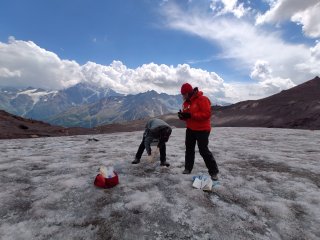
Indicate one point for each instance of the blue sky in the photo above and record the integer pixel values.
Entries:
(233, 50)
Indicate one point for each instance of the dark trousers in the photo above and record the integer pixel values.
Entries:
(142, 148)
(202, 138)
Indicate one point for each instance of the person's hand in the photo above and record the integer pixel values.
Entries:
(150, 158)
(153, 155)
(180, 115)
(155, 152)
(184, 115)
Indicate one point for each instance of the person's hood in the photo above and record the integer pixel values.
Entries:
(196, 93)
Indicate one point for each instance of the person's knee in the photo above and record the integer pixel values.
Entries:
(190, 151)
(205, 152)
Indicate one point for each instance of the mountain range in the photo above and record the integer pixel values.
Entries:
(85, 105)
(298, 107)
(117, 109)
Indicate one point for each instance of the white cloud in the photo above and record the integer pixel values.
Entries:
(261, 70)
(245, 44)
(221, 7)
(23, 63)
(315, 51)
(310, 20)
(6, 73)
(304, 12)
(313, 63)
(161, 78)
(236, 92)
(267, 82)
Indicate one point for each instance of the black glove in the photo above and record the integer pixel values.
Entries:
(186, 115)
(183, 115)
(180, 115)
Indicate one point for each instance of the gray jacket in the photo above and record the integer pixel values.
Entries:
(153, 131)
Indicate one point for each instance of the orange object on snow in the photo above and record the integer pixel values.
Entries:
(103, 182)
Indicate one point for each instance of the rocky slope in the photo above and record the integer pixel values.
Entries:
(13, 126)
(298, 107)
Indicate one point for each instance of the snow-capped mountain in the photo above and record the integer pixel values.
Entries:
(85, 105)
(83, 93)
(63, 100)
(21, 101)
(117, 109)
(41, 104)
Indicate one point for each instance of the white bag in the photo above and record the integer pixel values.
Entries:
(202, 182)
(107, 172)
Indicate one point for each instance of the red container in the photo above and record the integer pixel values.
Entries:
(103, 182)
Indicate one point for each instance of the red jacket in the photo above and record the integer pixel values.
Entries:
(200, 108)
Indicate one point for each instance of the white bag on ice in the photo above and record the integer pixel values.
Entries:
(107, 172)
(202, 182)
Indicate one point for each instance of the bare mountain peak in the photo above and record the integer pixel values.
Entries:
(149, 92)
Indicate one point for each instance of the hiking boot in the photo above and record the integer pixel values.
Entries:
(136, 161)
(214, 177)
(165, 164)
(186, 171)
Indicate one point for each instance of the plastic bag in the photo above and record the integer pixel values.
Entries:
(202, 182)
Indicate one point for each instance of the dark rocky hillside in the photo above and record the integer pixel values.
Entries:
(12, 126)
(298, 107)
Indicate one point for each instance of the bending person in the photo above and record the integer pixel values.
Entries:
(156, 129)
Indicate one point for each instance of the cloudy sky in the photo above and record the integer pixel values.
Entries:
(232, 49)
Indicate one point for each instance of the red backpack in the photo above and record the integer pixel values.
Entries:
(101, 181)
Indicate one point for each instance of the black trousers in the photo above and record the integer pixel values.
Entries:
(202, 138)
(142, 148)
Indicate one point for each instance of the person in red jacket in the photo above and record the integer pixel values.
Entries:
(197, 114)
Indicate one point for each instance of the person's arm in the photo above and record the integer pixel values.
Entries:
(204, 111)
(147, 142)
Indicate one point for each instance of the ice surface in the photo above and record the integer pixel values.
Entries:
(269, 188)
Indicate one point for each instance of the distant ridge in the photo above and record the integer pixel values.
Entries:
(298, 107)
